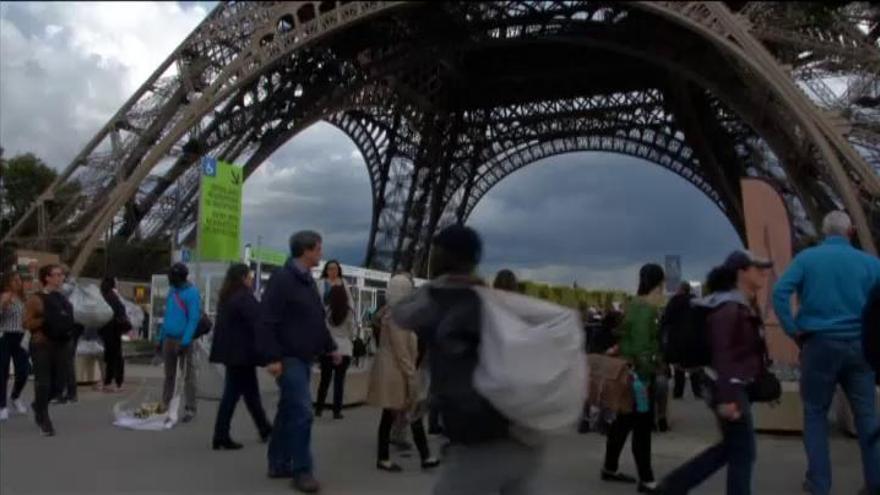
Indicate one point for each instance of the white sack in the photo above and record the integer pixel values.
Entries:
(134, 312)
(89, 307)
(532, 365)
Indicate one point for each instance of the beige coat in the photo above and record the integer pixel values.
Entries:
(394, 382)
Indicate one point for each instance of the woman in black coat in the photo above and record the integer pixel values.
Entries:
(233, 346)
(111, 334)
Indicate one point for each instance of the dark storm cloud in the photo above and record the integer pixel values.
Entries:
(66, 68)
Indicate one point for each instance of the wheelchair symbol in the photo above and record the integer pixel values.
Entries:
(209, 166)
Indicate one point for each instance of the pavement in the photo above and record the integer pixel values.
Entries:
(90, 456)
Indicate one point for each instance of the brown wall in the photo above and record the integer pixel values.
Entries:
(769, 234)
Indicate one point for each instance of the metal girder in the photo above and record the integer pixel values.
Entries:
(445, 99)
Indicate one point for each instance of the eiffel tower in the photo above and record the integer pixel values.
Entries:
(446, 99)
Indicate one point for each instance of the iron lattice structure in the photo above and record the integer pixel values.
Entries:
(444, 100)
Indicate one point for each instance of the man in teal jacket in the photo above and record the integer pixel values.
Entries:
(182, 313)
(833, 282)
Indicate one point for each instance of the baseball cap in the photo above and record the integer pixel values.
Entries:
(742, 259)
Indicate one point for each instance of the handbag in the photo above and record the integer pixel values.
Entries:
(204, 325)
(765, 387)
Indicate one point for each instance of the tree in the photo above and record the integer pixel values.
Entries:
(22, 179)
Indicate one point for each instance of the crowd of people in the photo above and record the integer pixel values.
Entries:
(428, 348)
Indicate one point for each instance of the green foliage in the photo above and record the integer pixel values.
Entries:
(24, 177)
(578, 298)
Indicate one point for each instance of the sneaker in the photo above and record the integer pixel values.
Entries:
(306, 483)
(648, 487)
(19, 406)
(338, 415)
(430, 463)
(4, 414)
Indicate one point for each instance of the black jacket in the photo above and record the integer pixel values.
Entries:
(235, 327)
(446, 317)
(119, 323)
(292, 320)
(675, 321)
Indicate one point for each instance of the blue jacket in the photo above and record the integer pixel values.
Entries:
(292, 319)
(832, 282)
(179, 323)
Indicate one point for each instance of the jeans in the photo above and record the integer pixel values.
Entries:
(240, 381)
(504, 467)
(737, 450)
(825, 363)
(290, 446)
(10, 349)
(328, 369)
(49, 367)
(173, 358)
(418, 432)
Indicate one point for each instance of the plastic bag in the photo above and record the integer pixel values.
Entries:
(89, 307)
(139, 412)
(532, 367)
(88, 347)
(134, 313)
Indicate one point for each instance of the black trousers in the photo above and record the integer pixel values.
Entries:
(418, 433)
(50, 363)
(241, 381)
(328, 370)
(64, 383)
(640, 424)
(115, 364)
(680, 377)
(10, 349)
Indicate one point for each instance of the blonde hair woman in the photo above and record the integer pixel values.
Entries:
(394, 382)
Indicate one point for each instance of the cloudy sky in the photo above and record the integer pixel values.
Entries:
(593, 218)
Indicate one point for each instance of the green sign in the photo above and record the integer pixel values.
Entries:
(270, 256)
(220, 211)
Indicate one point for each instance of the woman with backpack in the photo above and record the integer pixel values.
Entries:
(639, 344)
(11, 335)
(342, 326)
(234, 346)
(111, 335)
(740, 365)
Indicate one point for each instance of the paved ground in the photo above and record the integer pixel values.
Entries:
(91, 456)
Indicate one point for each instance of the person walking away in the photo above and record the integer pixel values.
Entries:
(111, 335)
(234, 346)
(394, 380)
(49, 317)
(506, 280)
(738, 356)
(342, 326)
(65, 389)
(11, 335)
(832, 282)
(182, 314)
(291, 334)
(487, 455)
(639, 344)
(673, 325)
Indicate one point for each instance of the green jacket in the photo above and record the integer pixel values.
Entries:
(640, 338)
